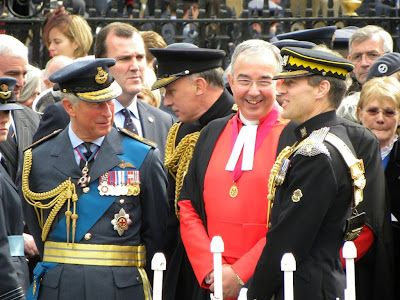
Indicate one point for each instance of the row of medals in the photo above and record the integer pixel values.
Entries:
(106, 189)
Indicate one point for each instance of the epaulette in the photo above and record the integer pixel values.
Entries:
(138, 137)
(235, 107)
(314, 144)
(43, 139)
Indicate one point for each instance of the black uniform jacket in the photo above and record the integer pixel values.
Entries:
(308, 220)
(14, 274)
(179, 278)
(374, 271)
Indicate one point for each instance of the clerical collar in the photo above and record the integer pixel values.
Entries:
(247, 122)
(246, 140)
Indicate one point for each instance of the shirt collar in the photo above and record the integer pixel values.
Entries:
(132, 108)
(76, 141)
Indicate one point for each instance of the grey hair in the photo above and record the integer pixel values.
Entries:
(13, 47)
(71, 97)
(33, 78)
(370, 30)
(251, 47)
(213, 77)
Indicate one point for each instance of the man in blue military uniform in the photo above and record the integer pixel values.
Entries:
(98, 212)
(14, 269)
(308, 219)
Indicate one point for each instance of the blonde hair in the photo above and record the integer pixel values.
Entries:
(74, 27)
(154, 95)
(381, 89)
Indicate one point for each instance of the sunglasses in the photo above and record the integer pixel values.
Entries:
(387, 112)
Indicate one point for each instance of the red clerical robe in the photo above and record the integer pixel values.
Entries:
(240, 221)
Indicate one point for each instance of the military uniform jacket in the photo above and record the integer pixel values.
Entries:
(308, 220)
(53, 163)
(14, 280)
(374, 271)
(179, 277)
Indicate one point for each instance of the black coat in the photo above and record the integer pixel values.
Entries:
(375, 271)
(179, 278)
(14, 274)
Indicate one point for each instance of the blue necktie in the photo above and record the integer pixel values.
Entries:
(128, 123)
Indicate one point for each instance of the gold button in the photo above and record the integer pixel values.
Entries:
(88, 236)
(122, 201)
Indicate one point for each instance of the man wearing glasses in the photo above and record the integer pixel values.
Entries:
(366, 45)
(225, 190)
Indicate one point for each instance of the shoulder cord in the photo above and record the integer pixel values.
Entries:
(65, 191)
(285, 153)
(177, 159)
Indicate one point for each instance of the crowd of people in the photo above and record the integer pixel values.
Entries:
(146, 147)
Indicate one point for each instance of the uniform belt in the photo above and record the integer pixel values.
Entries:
(17, 244)
(93, 254)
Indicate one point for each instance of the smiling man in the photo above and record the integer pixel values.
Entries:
(97, 188)
(225, 189)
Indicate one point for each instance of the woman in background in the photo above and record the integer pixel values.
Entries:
(68, 35)
(379, 110)
(31, 88)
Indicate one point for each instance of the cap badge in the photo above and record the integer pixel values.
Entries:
(303, 132)
(297, 194)
(382, 68)
(5, 93)
(285, 60)
(101, 76)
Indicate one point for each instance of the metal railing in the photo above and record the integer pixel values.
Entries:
(215, 33)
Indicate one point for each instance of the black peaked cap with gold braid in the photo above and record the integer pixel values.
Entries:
(90, 80)
(181, 59)
(299, 62)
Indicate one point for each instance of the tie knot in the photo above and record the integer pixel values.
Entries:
(87, 147)
(126, 113)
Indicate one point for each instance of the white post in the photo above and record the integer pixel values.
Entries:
(288, 266)
(217, 247)
(350, 253)
(158, 265)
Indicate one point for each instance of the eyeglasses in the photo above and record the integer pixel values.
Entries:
(248, 83)
(370, 55)
(388, 112)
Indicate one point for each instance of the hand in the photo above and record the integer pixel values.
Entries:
(230, 284)
(30, 246)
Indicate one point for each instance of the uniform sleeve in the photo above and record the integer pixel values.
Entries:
(363, 243)
(9, 287)
(299, 221)
(196, 242)
(154, 203)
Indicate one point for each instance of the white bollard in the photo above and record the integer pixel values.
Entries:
(158, 265)
(350, 253)
(288, 266)
(217, 247)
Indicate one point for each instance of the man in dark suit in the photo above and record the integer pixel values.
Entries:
(24, 123)
(123, 42)
(113, 181)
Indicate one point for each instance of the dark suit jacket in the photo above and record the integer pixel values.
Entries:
(53, 163)
(155, 123)
(14, 270)
(26, 123)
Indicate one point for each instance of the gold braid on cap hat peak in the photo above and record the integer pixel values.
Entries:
(177, 159)
(317, 63)
(65, 191)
